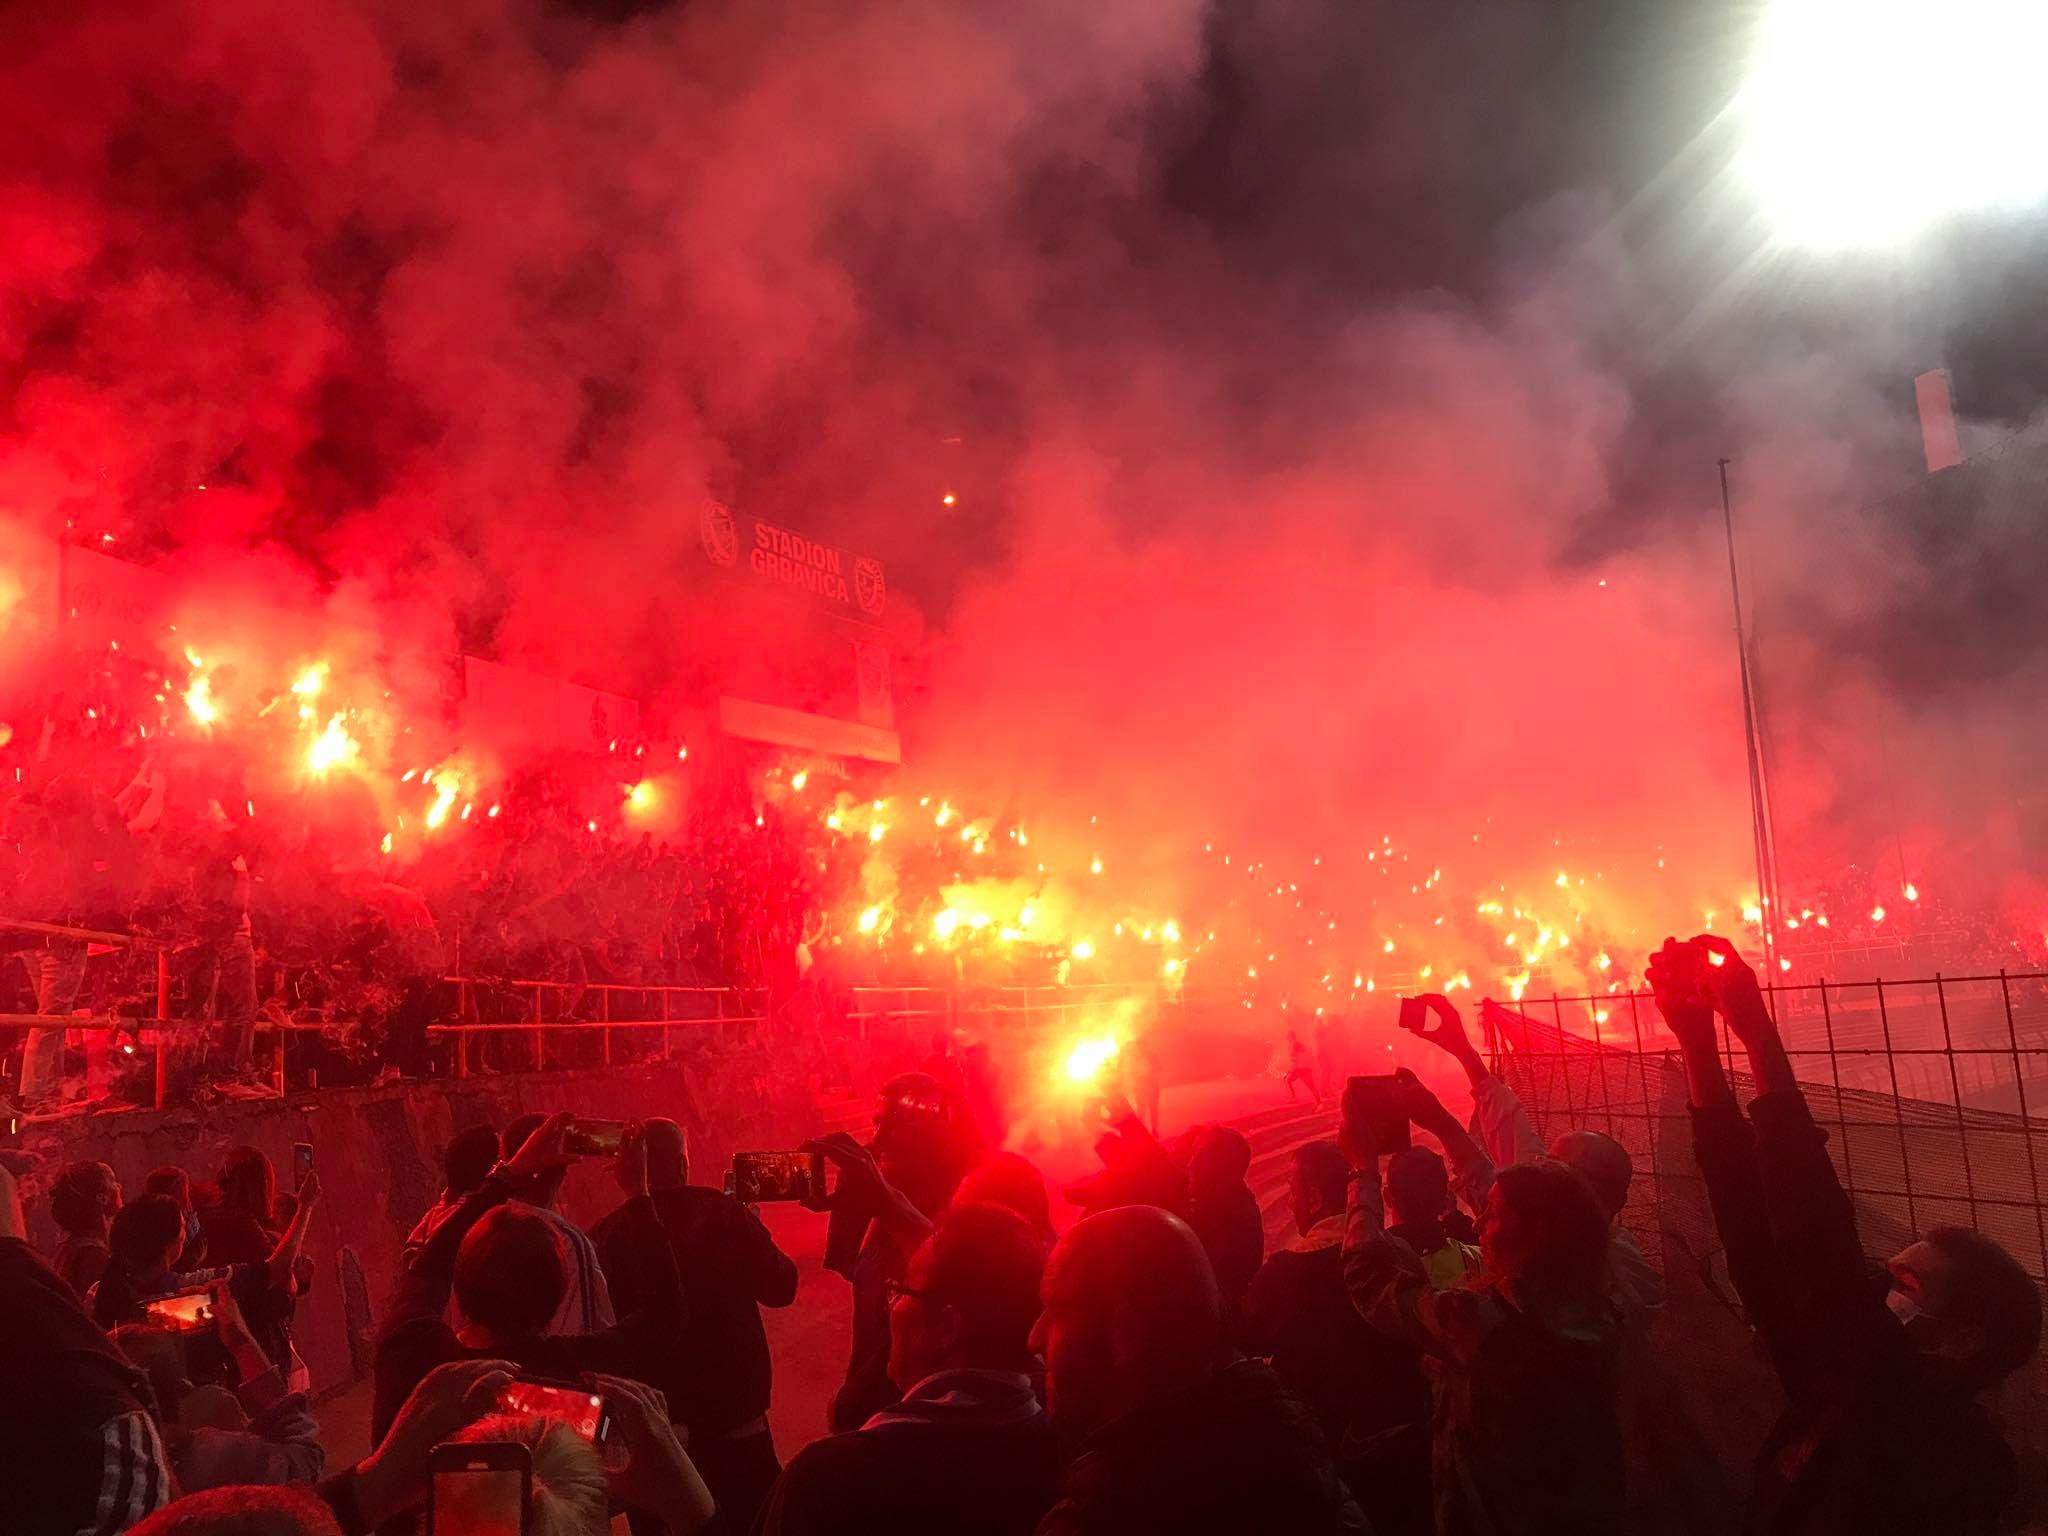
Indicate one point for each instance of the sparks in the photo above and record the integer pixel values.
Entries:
(199, 700)
(333, 747)
(871, 919)
(444, 798)
(799, 780)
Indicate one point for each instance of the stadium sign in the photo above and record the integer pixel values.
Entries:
(792, 559)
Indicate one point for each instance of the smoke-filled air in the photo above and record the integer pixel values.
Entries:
(1276, 600)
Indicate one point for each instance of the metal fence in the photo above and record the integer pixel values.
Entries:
(1934, 1092)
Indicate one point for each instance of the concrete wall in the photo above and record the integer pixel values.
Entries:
(378, 1154)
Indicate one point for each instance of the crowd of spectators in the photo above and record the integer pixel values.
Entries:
(1454, 1341)
(292, 906)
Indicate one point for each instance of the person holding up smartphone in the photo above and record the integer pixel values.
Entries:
(1884, 1368)
(731, 1268)
(1504, 1130)
(1527, 1434)
(586, 1305)
(148, 1238)
(506, 1270)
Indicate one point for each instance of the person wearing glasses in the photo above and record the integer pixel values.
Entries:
(967, 1447)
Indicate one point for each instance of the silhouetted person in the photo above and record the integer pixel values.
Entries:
(730, 1269)
(79, 1449)
(1503, 1129)
(1418, 1199)
(238, 1228)
(1301, 1068)
(885, 1200)
(967, 1447)
(1884, 1431)
(1012, 1181)
(505, 1266)
(465, 1163)
(1526, 1434)
(83, 1200)
(1168, 1433)
(1367, 1390)
(1224, 1212)
(587, 1301)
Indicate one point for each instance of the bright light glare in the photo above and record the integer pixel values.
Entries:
(1089, 1057)
(1866, 121)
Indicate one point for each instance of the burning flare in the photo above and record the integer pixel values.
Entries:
(1089, 1056)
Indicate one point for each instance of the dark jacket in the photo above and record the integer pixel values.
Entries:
(963, 1451)
(1876, 1438)
(1527, 1435)
(79, 1449)
(1365, 1389)
(1237, 1454)
(730, 1269)
(867, 1387)
(1233, 1234)
(415, 1336)
(234, 1236)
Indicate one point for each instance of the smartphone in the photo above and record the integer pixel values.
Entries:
(485, 1489)
(183, 1312)
(578, 1407)
(302, 1159)
(594, 1138)
(759, 1177)
(1376, 1105)
(1414, 1015)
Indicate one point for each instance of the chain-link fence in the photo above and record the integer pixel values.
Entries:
(1934, 1095)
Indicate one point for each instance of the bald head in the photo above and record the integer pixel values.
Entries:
(1131, 1312)
(1603, 1160)
(668, 1157)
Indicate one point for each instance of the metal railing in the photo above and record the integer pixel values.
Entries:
(161, 1033)
(468, 1026)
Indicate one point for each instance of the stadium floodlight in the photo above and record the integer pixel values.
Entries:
(1865, 122)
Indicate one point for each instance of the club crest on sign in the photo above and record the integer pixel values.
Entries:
(721, 539)
(868, 587)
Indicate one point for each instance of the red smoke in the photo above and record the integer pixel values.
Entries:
(442, 321)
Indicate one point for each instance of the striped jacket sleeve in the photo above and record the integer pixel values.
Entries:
(135, 1478)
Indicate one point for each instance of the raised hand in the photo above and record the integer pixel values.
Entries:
(1731, 984)
(542, 1151)
(630, 1167)
(1424, 1108)
(393, 1477)
(1677, 982)
(658, 1476)
(1448, 1033)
